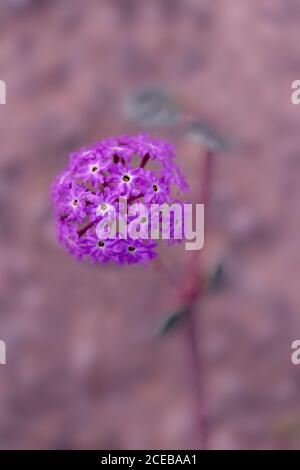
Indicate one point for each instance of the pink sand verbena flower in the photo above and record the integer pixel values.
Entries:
(133, 169)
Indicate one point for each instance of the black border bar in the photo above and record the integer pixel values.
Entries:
(139, 458)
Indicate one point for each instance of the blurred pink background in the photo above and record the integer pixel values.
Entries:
(85, 368)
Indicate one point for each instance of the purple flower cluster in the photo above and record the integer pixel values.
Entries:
(135, 169)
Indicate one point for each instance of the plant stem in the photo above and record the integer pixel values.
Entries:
(198, 374)
(189, 296)
(194, 325)
(87, 227)
(145, 160)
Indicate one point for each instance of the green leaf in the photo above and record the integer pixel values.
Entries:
(206, 135)
(173, 320)
(151, 106)
(217, 279)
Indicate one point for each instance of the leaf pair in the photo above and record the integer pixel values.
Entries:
(216, 281)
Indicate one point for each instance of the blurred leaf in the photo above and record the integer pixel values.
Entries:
(151, 106)
(204, 134)
(217, 280)
(173, 320)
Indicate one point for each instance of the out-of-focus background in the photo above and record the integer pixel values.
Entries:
(85, 367)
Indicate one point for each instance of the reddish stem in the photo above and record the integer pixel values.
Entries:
(194, 326)
(189, 296)
(145, 160)
(86, 227)
(134, 198)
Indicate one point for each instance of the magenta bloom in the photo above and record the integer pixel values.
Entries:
(88, 193)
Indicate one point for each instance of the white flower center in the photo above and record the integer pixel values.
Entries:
(126, 178)
(103, 208)
(94, 168)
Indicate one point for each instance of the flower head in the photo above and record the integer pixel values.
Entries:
(88, 193)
